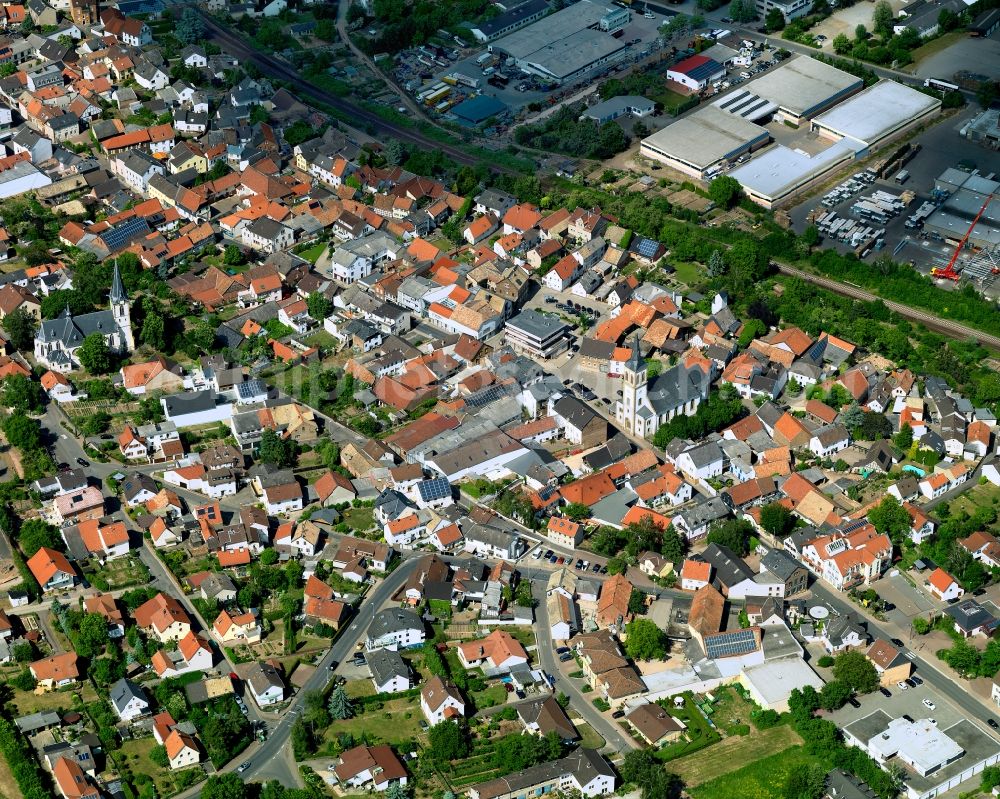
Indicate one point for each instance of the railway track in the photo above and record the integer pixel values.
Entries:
(275, 68)
(954, 329)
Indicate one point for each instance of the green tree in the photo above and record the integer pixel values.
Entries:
(853, 417)
(724, 190)
(189, 29)
(20, 327)
(644, 640)
(94, 354)
(882, 18)
(92, 634)
(340, 704)
(447, 741)
(841, 44)
(233, 256)
(891, 518)
(805, 783)
(158, 755)
(716, 264)
(742, 10)
(577, 511)
(904, 438)
(37, 533)
(776, 519)
(319, 306)
(834, 695)
(856, 672)
(774, 21)
(861, 33)
(154, 330)
(642, 768)
(366, 425)
(23, 394)
(22, 432)
(224, 786)
(733, 533)
(674, 545)
(397, 791)
(275, 450)
(522, 595)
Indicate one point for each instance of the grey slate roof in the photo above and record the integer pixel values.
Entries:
(386, 664)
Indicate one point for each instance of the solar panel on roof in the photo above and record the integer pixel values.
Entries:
(738, 642)
(647, 248)
(119, 237)
(438, 488)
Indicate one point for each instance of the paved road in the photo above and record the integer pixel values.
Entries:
(604, 726)
(928, 670)
(946, 326)
(272, 759)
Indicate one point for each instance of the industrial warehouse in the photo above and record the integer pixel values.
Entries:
(569, 44)
(836, 122)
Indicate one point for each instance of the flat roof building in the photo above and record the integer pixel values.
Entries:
(568, 43)
(779, 172)
(967, 193)
(880, 111)
(700, 141)
(537, 334)
(511, 20)
(615, 107)
(804, 87)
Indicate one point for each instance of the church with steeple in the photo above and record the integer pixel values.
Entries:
(648, 403)
(57, 340)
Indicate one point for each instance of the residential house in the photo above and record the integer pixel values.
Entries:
(128, 699)
(440, 700)
(265, 683)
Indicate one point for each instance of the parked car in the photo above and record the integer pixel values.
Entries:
(565, 656)
(243, 766)
(916, 680)
(548, 554)
(927, 703)
(885, 692)
(897, 642)
(562, 649)
(596, 568)
(618, 714)
(993, 724)
(83, 462)
(853, 702)
(902, 686)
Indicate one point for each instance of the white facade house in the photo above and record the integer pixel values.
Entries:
(440, 700)
(395, 628)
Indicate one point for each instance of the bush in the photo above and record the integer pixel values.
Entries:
(825, 662)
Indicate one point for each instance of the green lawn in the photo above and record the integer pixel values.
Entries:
(359, 519)
(320, 338)
(732, 754)
(313, 253)
(397, 721)
(690, 274)
(589, 738)
(762, 779)
(167, 782)
(356, 688)
(496, 694)
(979, 496)
(668, 99)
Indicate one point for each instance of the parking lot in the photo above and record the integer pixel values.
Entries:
(942, 146)
(904, 703)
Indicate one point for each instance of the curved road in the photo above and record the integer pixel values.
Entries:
(270, 760)
(276, 68)
(946, 326)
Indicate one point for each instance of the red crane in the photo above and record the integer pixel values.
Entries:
(949, 273)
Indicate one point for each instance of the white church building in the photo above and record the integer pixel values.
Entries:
(57, 340)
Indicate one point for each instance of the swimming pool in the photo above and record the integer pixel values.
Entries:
(915, 469)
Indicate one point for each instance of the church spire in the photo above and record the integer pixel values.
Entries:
(117, 289)
(635, 362)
